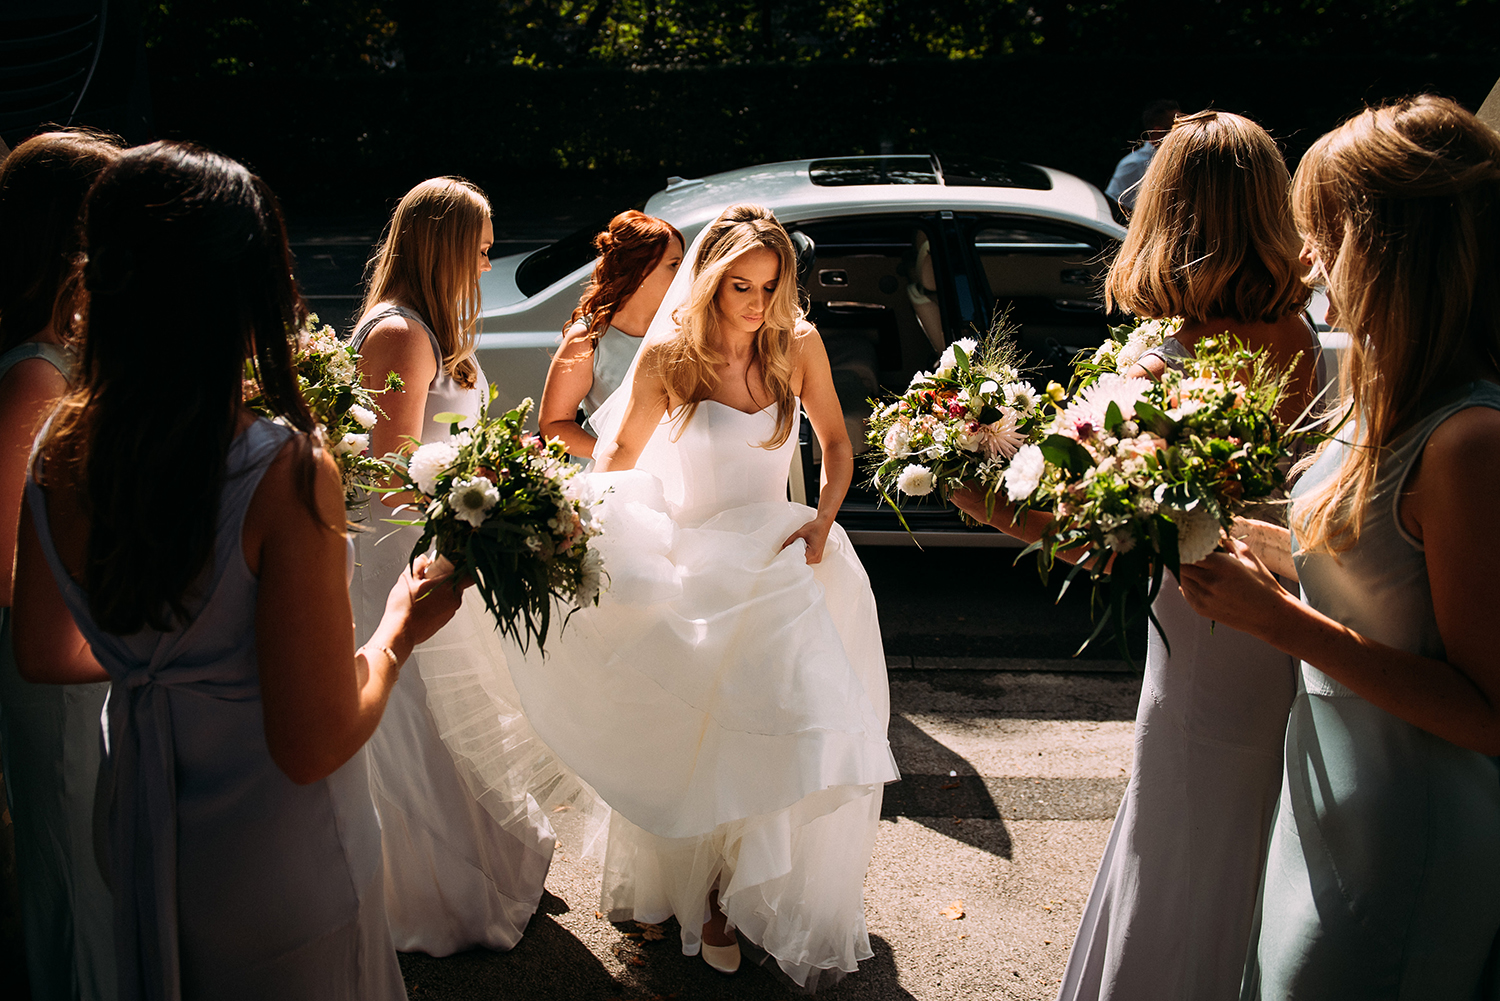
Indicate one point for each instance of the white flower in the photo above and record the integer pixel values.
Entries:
(429, 462)
(364, 415)
(949, 360)
(1093, 403)
(1021, 395)
(1130, 352)
(471, 499)
(1001, 438)
(352, 444)
(1120, 540)
(1024, 472)
(915, 481)
(919, 379)
(897, 442)
(1188, 408)
(341, 367)
(590, 571)
(987, 387)
(1197, 533)
(463, 439)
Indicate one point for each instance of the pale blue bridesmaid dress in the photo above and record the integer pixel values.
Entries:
(50, 743)
(1171, 914)
(1383, 880)
(230, 880)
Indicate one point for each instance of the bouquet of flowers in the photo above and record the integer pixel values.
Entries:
(1123, 348)
(959, 424)
(502, 505)
(1150, 473)
(328, 375)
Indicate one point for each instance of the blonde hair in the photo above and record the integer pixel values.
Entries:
(688, 363)
(1402, 204)
(1212, 232)
(428, 261)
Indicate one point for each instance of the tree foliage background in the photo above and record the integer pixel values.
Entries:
(340, 102)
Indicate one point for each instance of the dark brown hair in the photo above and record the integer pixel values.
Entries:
(629, 250)
(42, 186)
(186, 275)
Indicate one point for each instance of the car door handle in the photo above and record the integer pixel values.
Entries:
(1078, 276)
(833, 278)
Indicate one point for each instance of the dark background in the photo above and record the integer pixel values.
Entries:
(343, 104)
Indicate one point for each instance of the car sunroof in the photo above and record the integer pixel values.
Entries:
(992, 172)
(872, 170)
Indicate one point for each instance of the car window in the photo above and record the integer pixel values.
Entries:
(556, 261)
(1049, 277)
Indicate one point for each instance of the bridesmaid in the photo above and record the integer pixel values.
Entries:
(194, 555)
(457, 875)
(1383, 879)
(638, 258)
(1172, 909)
(49, 735)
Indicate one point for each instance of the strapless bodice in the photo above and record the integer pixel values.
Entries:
(723, 463)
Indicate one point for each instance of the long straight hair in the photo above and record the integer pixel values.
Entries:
(1212, 232)
(688, 363)
(42, 185)
(428, 260)
(186, 274)
(1402, 204)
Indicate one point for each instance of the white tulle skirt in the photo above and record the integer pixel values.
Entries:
(726, 700)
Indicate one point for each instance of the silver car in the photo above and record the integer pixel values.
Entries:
(898, 255)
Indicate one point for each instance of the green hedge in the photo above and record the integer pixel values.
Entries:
(348, 144)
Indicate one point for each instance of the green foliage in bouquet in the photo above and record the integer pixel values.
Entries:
(956, 425)
(328, 376)
(1141, 476)
(502, 505)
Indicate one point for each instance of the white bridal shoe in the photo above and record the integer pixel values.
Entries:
(724, 958)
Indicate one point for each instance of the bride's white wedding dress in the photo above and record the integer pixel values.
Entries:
(726, 700)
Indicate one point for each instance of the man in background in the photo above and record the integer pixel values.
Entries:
(1157, 119)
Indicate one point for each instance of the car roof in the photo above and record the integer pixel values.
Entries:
(788, 189)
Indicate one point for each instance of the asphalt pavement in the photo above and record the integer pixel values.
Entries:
(1013, 751)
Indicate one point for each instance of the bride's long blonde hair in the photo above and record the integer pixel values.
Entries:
(688, 363)
(1401, 204)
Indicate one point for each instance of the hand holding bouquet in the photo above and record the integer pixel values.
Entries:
(958, 424)
(501, 504)
(1150, 473)
(328, 376)
(1123, 348)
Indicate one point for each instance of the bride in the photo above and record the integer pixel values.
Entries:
(727, 697)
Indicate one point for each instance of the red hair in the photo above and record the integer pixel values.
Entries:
(629, 250)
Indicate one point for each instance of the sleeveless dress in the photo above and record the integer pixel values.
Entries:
(50, 745)
(726, 700)
(229, 879)
(612, 357)
(460, 872)
(1172, 910)
(1383, 880)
